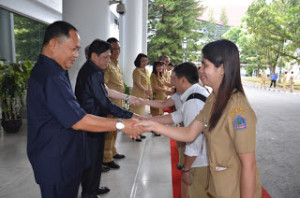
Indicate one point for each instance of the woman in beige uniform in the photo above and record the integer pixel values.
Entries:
(158, 89)
(141, 85)
(228, 122)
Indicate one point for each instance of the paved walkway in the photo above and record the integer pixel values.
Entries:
(267, 88)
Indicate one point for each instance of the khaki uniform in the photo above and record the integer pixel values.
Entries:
(159, 95)
(263, 79)
(199, 176)
(167, 76)
(284, 82)
(292, 83)
(142, 76)
(114, 80)
(234, 133)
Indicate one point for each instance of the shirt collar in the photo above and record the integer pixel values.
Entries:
(95, 66)
(114, 61)
(51, 62)
(188, 92)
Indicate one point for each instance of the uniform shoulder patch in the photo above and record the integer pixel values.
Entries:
(240, 123)
(236, 110)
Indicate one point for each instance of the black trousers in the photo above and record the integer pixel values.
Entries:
(273, 81)
(90, 181)
(61, 190)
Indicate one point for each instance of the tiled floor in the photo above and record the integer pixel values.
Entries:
(145, 172)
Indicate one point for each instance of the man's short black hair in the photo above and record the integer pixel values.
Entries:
(86, 51)
(99, 46)
(58, 29)
(112, 40)
(164, 57)
(187, 70)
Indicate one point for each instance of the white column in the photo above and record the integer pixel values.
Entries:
(131, 37)
(92, 19)
(145, 26)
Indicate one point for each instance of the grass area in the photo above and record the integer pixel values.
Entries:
(268, 82)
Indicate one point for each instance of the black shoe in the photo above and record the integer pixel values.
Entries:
(105, 169)
(102, 190)
(119, 156)
(112, 165)
(179, 167)
(155, 134)
(142, 136)
(137, 139)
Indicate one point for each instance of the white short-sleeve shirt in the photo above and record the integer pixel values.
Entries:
(186, 114)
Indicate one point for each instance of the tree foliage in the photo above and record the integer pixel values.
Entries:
(28, 38)
(170, 21)
(270, 34)
(275, 28)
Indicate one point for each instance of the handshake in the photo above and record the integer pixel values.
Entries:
(138, 125)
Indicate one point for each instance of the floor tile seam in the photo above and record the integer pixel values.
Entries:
(134, 186)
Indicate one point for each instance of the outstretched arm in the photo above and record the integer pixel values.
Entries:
(115, 94)
(160, 103)
(93, 123)
(121, 96)
(163, 119)
(183, 134)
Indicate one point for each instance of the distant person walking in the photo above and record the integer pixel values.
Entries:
(284, 81)
(292, 81)
(263, 79)
(273, 79)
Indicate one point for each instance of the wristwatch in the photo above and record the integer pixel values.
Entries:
(120, 125)
(184, 170)
(127, 98)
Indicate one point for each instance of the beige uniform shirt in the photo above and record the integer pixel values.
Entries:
(234, 133)
(141, 76)
(158, 81)
(114, 80)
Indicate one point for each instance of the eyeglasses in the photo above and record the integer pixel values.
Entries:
(116, 49)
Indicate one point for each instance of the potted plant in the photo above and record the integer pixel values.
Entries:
(13, 83)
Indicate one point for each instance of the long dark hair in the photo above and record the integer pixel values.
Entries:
(155, 65)
(224, 52)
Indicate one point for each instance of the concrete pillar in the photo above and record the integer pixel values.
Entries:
(92, 19)
(145, 26)
(131, 37)
(7, 36)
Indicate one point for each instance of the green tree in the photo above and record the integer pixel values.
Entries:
(276, 27)
(233, 34)
(251, 51)
(28, 38)
(170, 21)
(224, 21)
(211, 26)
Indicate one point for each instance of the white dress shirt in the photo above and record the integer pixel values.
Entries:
(186, 114)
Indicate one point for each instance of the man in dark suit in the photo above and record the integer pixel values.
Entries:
(93, 98)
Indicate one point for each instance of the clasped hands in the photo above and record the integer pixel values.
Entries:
(138, 125)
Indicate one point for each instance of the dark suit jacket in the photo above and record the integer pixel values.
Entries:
(92, 95)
